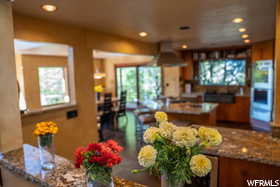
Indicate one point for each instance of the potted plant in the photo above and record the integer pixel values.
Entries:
(175, 152)
(98, 160)
(45, 132)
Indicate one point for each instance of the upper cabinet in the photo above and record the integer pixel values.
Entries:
(263, 51)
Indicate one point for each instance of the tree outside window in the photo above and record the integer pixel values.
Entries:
(53, 87)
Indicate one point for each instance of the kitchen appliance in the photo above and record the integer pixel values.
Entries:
(262, 91)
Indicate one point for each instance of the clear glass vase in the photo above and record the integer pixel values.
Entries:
(46, 149)
(166, 182)
(97, 183)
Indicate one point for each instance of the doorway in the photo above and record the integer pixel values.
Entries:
(141, 83)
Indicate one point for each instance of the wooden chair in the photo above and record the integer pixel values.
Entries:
(107, 115)
(121, 110)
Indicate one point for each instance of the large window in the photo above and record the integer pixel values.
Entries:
(141, 82)
(53, 87)
(222, 72)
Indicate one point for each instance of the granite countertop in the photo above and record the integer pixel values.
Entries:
(247, 145)
(25, 162)
(183, 107)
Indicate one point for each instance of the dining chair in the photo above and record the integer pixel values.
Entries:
(121, 110)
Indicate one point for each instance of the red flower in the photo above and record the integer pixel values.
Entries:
(104, 154)
(114, 146)
(79, 156)
(94, 147)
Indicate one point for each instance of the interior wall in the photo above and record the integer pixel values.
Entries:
(10, 123)
(30, 64)
(111, 63)
(81, 130)
(99, 65)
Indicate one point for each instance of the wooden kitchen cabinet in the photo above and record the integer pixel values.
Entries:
(237, 112)
(263, 51)
(236, 172)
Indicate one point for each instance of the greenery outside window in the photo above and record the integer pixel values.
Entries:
(223, 72)
(53, 87)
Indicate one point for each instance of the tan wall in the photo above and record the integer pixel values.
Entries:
(81, 130)
(30, 64)
(10, 124)
(111, 63)
(99, 64)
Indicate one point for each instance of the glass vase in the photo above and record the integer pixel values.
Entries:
(166, 182)
(96, 183)
(46, 149)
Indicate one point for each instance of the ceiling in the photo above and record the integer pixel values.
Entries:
(210, 21)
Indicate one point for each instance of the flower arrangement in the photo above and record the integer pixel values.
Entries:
(98, 160)
(176, 151)
(99, 89)
(45, 130)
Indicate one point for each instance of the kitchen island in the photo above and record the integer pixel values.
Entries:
(198, 113)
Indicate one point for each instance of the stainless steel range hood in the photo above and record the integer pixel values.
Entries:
(167, 56)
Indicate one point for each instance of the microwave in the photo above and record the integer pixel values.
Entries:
(263, 74)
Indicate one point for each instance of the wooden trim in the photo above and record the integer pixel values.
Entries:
(130, 65)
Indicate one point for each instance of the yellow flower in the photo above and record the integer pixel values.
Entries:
(200, 165)
(98, 88)
(166, 129)
(209, 136)
(43, 128)
(161, 116)
(185, 137)
(147, 156)
(151, 134)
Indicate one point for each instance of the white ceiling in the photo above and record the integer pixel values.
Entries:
(210, 20)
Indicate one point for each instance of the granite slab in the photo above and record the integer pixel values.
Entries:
(26, 163)
(247, 145)
(182, 107)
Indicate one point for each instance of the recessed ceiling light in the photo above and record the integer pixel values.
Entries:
(143, 34)
(49, 8)
(241, 29)
(247, 41)
(237, 20)
(244, 36)
(184, 46)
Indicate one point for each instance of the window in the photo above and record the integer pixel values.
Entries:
(222, 72)
(53, 87)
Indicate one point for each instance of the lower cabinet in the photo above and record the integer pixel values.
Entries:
(236, 172)
(238, 112)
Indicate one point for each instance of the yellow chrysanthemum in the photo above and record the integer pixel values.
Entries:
(147, 156)
(151, 134)
(161, 116)
(200, 165)
(209, 136)
(185, 137)
(43, 128)
(166, 129)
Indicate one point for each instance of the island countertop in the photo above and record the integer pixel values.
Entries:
(247, 145)
(26, 163)
(182, 107)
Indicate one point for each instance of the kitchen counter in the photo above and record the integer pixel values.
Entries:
(183, 107)
(25, 162)
(247, 145)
